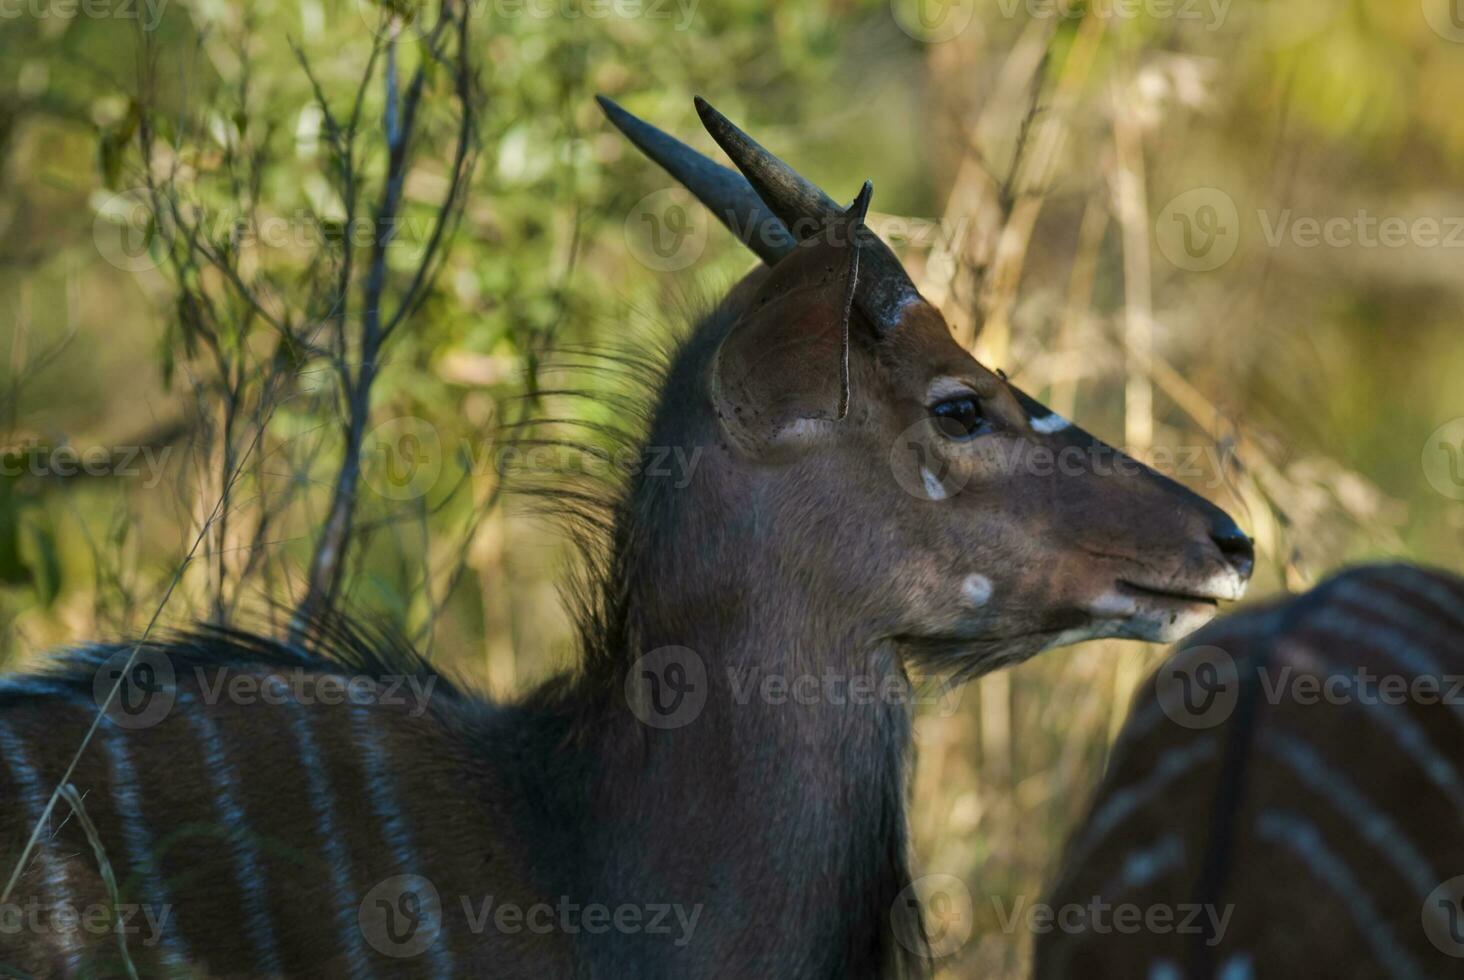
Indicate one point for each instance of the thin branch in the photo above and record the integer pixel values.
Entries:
(400, 119)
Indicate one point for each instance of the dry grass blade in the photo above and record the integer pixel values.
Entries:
(104, 867)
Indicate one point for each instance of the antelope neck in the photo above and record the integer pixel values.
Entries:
(780, 806)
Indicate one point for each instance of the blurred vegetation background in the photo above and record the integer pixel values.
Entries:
(1225, 236)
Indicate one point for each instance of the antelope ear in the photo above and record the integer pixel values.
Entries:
(781, 376)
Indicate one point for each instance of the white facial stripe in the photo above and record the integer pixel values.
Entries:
(1049, 424)
(977, 589)
(933, 487)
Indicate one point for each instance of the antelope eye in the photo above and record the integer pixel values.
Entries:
(960, 419)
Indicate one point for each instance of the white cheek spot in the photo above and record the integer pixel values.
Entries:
(933, 488)
(1049, 424)
(977, 589)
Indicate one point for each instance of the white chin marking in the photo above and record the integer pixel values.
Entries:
(1123, 617)
(1156, 627)
(1226, 585)
(1049, 424)
(977, 589)
(1167, 629)
(933, 487)
(1099, 630)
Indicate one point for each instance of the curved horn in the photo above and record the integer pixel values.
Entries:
(885, 290)
(755, 204)
(794, 198)
(726, 193)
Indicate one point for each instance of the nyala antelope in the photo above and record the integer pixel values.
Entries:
(869, 500)
(1285, 798)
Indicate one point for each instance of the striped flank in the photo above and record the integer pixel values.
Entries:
(33, 795)
(345, 901)
(394, 823)
(224, 781)
(137, 837)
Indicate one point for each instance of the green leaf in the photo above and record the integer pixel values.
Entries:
(39, 553)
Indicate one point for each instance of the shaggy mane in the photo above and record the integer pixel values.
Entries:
(600, 512)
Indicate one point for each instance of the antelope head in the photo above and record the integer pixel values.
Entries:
(935, 501)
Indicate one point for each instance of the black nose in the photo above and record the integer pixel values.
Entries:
(1234, 545)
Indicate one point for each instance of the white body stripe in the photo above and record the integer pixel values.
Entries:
(343, 891)
(1121, 805)
(33, 794)
(1238, 967)
(394, 824)
(253, 887)
(1374, 825)
(1295, 833)
(139, 845)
